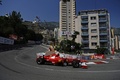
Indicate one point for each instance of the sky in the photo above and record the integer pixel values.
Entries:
(48, 10)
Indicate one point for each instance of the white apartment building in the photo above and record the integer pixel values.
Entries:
(116, 32)
(94, 29)
(67, 18)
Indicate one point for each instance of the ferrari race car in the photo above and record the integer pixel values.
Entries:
(61, 59)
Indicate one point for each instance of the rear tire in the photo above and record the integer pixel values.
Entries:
(75, 64)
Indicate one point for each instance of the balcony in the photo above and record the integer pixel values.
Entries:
(102, 20)
(85, 41)
(104, 46)
(84, 34)
(84, 21)
(102, 27)
(84, 27)
(102, 40)
(83, 17)
(85, 45)
(103, 33)
(102, 14)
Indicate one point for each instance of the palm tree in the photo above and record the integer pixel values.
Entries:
(74, 36)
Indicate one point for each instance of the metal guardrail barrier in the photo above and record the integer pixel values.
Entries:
(9, 47)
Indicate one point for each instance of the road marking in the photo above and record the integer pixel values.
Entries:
(44, 47)
(49, 69)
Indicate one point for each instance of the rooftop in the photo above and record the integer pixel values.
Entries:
(83, 12)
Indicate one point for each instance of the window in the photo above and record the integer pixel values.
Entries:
(93, 18)
(93, 24)
(94, 44)
(93, 37)
(94, 31)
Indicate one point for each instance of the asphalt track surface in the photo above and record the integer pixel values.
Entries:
(20, 64)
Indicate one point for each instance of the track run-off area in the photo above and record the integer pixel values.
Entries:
(20, 64)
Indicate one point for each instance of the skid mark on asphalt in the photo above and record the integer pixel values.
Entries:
(25, 57)
(9, 68)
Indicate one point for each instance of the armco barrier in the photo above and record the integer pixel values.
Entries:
(86, 57)
(10, 47)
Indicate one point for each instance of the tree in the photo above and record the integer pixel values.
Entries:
(101, 50)
(38, 37)
(5, 28)
(74, 36)
(12, 24)
(30, 35)
(16, 23)
(69, 46)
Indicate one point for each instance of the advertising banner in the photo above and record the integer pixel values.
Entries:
(6, 41)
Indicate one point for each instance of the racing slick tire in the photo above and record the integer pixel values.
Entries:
(40, 61)
(75, 64)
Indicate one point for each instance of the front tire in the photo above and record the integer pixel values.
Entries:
(40, 61)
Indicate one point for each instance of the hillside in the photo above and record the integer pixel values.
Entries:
(45, 25)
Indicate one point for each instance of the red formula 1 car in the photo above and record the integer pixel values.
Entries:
(61, 59)
(55, 59)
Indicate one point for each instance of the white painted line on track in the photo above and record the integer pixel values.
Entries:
(109, 71)
(49, 69)
(44, 47)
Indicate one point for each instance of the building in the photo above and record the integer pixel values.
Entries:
(116, 32)
(56, 33)
(115, 39)
(94, 29)
(67, 18)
